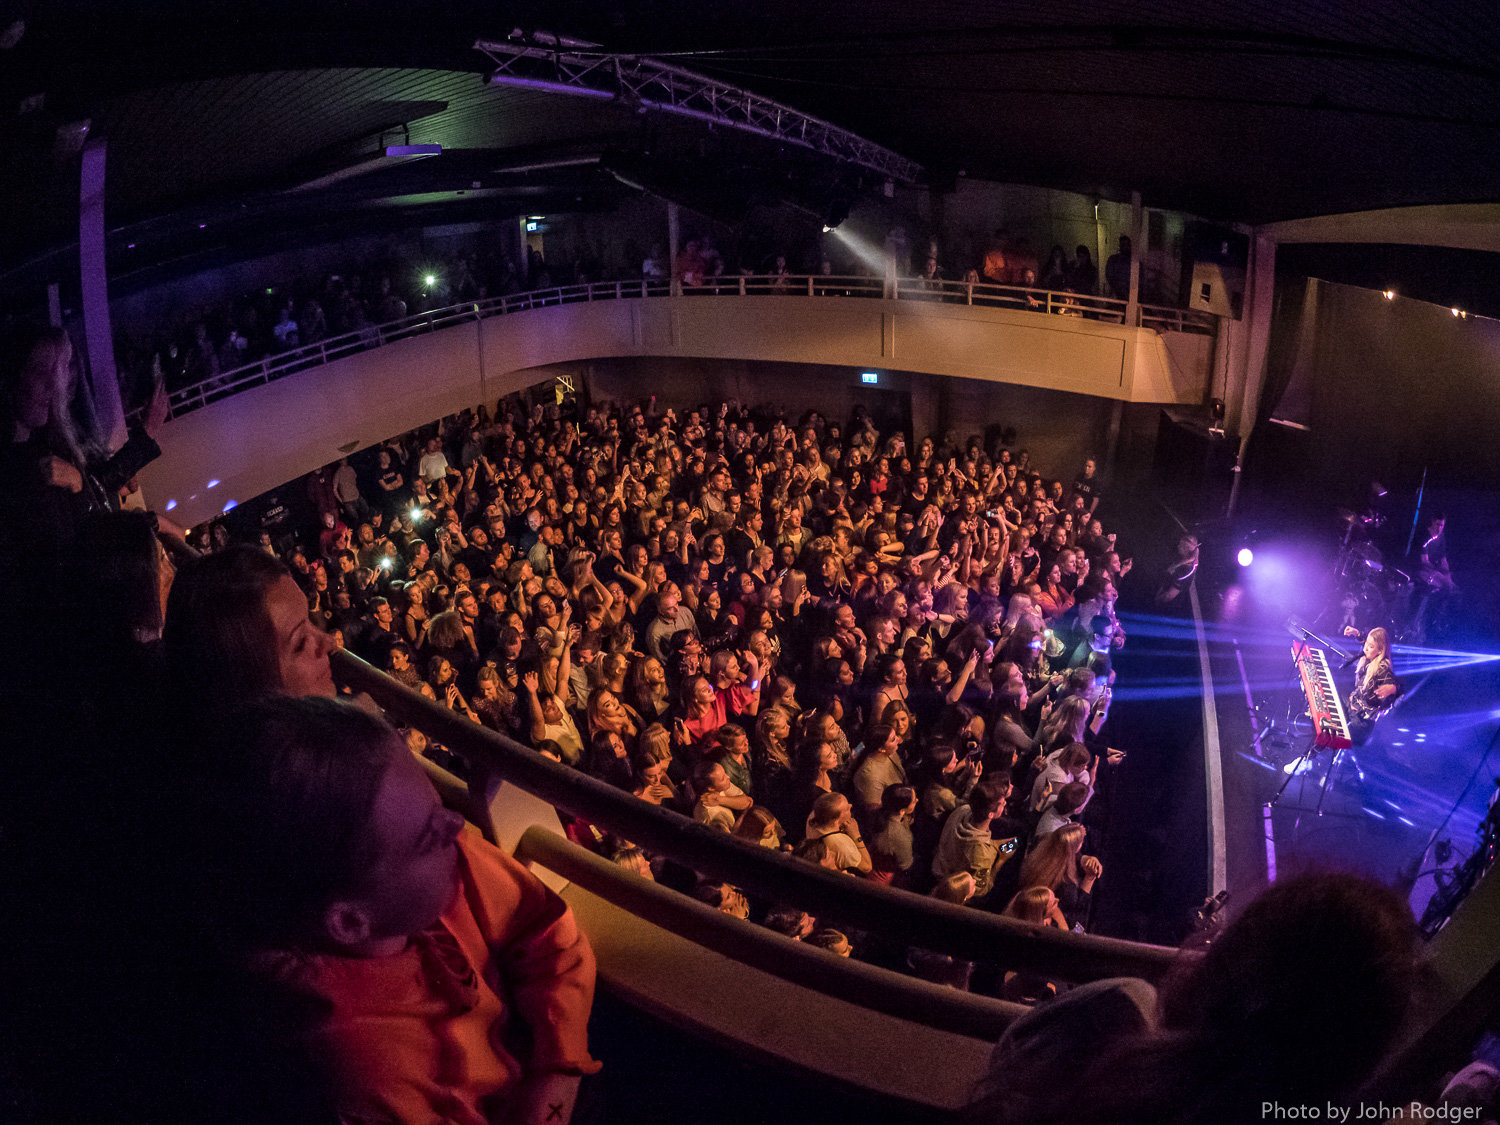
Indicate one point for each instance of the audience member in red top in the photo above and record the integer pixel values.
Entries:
(439, 979)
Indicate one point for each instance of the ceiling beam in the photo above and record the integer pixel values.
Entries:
(649, 84)
(1459, 226)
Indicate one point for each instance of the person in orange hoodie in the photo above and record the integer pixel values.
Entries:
(437, 979)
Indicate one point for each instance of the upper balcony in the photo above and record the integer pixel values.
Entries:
(249, 430)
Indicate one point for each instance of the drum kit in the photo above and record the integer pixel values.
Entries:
(1370, 590)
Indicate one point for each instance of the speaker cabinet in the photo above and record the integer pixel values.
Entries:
(1214, 264)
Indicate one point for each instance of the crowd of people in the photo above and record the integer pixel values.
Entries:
(200, 344)
(892, 662)
(245, 901)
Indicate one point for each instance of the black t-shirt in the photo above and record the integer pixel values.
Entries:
(914, 504)
(1436, 550)
(1088, 488)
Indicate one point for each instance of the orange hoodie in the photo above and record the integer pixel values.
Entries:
(501, 985)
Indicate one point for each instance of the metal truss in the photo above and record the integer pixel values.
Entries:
(565, 69)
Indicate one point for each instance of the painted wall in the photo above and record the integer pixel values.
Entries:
(262, 437)
(1393, 387)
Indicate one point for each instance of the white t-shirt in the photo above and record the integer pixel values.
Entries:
(433, 467)
(1059, 777)
(1051, 821)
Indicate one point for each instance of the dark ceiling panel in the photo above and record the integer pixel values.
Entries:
(1255, 111)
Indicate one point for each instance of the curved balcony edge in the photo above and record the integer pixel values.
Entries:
(256, 432)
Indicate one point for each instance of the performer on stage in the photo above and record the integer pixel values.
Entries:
(1376, 690)
(1433, 560)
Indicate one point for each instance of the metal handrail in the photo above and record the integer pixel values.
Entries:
(869, 986)
(984, 294)
(912, 919)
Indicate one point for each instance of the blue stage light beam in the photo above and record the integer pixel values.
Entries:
(1411, 660)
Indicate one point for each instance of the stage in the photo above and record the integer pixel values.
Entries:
(1406, 806)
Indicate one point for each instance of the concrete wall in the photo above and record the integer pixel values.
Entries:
(262, 437)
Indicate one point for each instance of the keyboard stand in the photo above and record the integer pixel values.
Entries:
(1338, 756)
(1305, 758)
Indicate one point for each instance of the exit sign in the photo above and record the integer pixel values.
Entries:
(870, 377)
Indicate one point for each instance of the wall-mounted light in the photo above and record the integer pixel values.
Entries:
(214, 483)
(1389, 294)
(231, 504)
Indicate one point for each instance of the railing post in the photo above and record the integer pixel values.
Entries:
(619, 290)
(742, 285)
(809, 285)
(969, 295)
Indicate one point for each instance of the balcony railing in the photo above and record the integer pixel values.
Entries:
(282, 364)
(909, 918)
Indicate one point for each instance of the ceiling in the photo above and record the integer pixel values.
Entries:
(1253, 112)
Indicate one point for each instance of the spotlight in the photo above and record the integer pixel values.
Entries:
(431, 280)
(837, 212)
(1390, 294)
(416, 514)
(385, 563)
(1456, 312)
(1246, 556)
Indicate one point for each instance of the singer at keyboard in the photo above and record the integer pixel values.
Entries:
(1376, 689)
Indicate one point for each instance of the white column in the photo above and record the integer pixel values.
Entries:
(1137, 240)
(673, 233)
(1246, 369)
(104, 379)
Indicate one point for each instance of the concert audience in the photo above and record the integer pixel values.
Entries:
(722, 615)
(795, 633)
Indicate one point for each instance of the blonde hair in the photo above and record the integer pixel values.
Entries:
(1383, 640)
(1030, 905)
(656, 743)
(957, 888)
(1054, 860)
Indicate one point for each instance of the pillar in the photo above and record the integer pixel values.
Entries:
(673, 234)
(104, 380)
(1137, 241)
(1245, 364)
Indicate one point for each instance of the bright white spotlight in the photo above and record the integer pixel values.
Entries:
(431, 280)
(1246, 556)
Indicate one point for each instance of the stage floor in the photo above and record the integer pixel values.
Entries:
(1423, 781)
